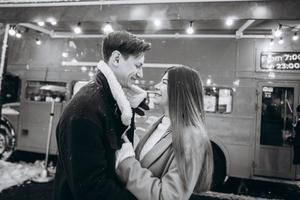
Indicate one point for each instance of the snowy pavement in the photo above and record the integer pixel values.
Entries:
(19, 175)
(12, 174)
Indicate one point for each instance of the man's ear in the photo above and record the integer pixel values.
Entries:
(115, 56)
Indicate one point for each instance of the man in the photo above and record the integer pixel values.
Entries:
(90, 128)
(296, 160)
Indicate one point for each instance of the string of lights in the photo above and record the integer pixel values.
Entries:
(278, 33)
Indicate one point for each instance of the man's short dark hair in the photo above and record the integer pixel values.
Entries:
(124, 42)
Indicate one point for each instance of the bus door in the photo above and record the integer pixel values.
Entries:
(273, 151)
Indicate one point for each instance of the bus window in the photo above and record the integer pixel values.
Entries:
(45, 91)
(225, 100)
(11, 88)
(276, 115)
(218, 100)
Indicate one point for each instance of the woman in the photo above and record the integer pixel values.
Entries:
(175, 158)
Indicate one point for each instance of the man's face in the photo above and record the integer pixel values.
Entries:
(129, 69)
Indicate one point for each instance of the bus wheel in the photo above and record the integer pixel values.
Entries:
(7, 139)
(219, 172)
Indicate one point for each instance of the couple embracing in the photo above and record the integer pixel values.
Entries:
(95, 132)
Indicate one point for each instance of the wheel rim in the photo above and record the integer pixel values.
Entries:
(2, 143)
(7, 140)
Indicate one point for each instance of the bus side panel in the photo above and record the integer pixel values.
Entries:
(34, 126)
(235, 132)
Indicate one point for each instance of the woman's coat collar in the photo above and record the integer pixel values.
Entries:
(160, 147)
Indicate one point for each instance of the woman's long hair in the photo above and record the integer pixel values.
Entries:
(185, 94)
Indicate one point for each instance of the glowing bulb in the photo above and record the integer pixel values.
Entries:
(52, 21)
(107, 28)
(12, 31)
(157, 22)
(41, 23)
(236, 82)
(77, 29)
(38, 41)
(278, 31)
(83, 69)
(91, 74)
(208, 81)
(65, 54)
(190, 29)
(229, 22)
(295, 36)
(18, 35)
(281, 41)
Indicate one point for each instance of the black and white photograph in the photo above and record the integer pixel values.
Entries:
(149, 99)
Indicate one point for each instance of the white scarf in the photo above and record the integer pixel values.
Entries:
(117, 92)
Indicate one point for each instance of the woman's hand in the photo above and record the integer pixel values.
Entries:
(126, 151)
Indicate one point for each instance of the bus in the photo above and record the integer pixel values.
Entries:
(251, 93)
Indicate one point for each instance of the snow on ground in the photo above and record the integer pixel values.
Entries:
(31, 1)
(12, 174)
(224, 196)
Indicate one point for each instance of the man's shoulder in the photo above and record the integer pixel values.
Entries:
(92, 91)
(89, 99)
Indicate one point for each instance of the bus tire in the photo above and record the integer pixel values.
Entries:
(219, 172)
(7, 139)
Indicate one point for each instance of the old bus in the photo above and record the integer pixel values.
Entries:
(251, 93)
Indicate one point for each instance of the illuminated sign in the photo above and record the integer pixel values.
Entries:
(280, 61)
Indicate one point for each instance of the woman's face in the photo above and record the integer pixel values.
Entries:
(161, 92)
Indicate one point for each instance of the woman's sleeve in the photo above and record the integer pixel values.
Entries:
(141, 182)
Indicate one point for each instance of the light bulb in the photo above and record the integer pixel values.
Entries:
(41, 23)
(295, 36)
(12, 31)
(190, 29)
(18, 35)
(52, 21)
(157, 22)
(229, 22)
(83, 69)
(208, 81)
(91, 74)
(38, 41)
(281, 41)
(65, 54)
(278, 31)
(107, 28)
(77, 29)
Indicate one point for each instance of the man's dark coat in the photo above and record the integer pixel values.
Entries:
(88, 133)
